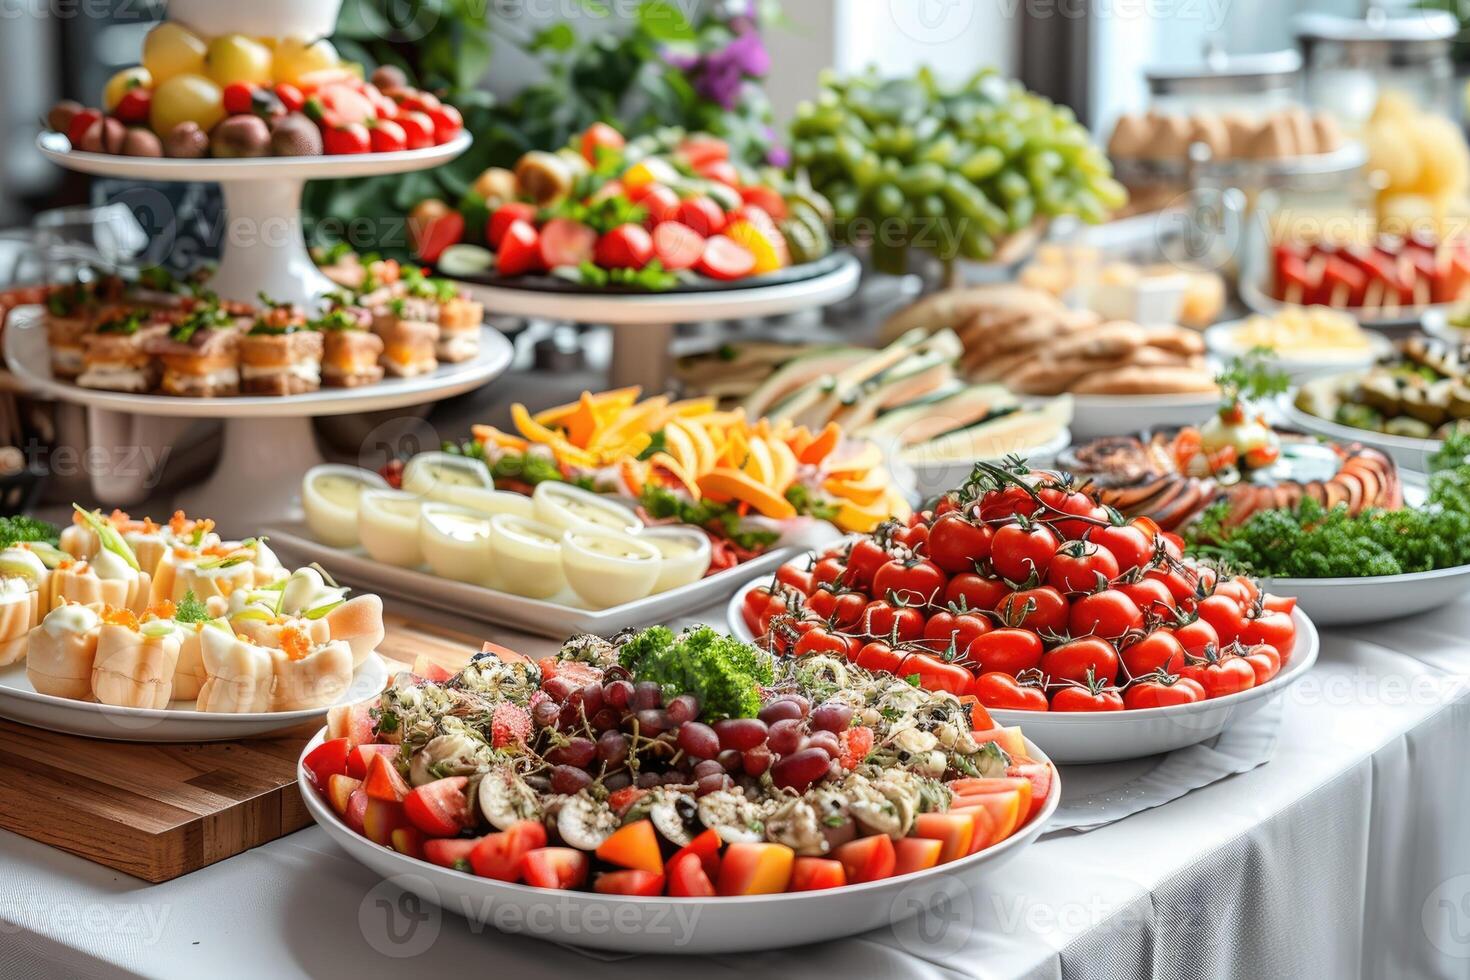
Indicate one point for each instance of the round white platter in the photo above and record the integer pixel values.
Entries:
(264, 249)
(1112, 736)
(679, 925)
(933, 478)
(1299, 365)
(267, 442)
(179, 722)
(1374, 598)
(1409, 453)
(643, 324)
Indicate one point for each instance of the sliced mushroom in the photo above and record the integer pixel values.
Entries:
(505, 798)
(732, 816)
(830, 805)
(675, 815)
(795, 823)
(584, 823)
(450, 754)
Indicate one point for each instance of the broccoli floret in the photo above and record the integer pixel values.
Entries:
(21, 528)
(723, 673)
(191, 610)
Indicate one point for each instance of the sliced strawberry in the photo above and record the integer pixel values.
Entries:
(520, 250)
(725, 259)
(565, 241)
(677, 245)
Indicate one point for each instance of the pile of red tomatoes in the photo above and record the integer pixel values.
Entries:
(1022, 590)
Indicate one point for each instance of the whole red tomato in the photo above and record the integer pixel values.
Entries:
(829, 570)
(1021, 550)
(893, 620)
(916, 581)
(1013, 501)
(1267, 626)
(1064, 499)
(1160, 690)
(1265, 660)
(821, 640)
(863, 561)
(1183, 584)
(1092, 694)
(956, 543)
(1149, 595)
(1081, 661)
(1000, 690)
(971, 590)
(1195, 634)
(1219, 673)
(934, 673)
(753, 609)
(878, 655)
(1224, 613)
(1129, 545)
(952, 627)
(1008, 651)
(1158, 651)
(914, 537)
(1042, 610)
(795, 576)
(1109, 614)
(840, 608)
(1081, 566)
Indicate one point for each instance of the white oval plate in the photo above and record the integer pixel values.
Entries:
(1410, 454)
(1436, 323)
(934, 478)
(1112, 736)
(1372, 599)
(1299, 365)
(678, 925)
(1115, 415)
(179, 722)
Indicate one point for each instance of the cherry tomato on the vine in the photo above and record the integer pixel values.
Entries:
(1021, 550)
(997, 689)
(1075, 660)
(1008, 651)
(956, 543)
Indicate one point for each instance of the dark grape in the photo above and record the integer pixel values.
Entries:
(730, 759)
(708, 767)
(648, 780)
(646, 694)
(676, 777)
(712, 783)
(800, 769)
(740, 733)
(577, 752)
(757, 760)
(590, 698)
(617, 693)
(571, 716)
(699, 740)
(546, 713)
(785, 736)
(559, 688)
(612, 748)
(607, 719)
(826, 741)
(652, 721)
(615, 781)
(683, 708)
(832, 716)
(778, 710)
(569, 779)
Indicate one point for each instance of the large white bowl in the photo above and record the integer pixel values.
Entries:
(1409, 453)
(628, 924)
(1371, 599)
(1094, 416)
(1112, 736)
(307, 19)
(180, 722)
(1299, 365)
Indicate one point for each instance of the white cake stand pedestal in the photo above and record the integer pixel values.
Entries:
(264, 249)
(267, 444)
(643, 325)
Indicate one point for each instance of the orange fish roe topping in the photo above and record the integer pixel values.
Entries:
(218, 551)
(163, 609)
(182, 552)
(295, 642)
(67, 564)
(120, 617)
(149, 527)
(119, 518)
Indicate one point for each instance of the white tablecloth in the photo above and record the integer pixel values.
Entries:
(1347, 855)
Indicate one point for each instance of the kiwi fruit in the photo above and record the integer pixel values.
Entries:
(295, 135)
(240, 136)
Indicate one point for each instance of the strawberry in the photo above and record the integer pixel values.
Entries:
(509, 724)
(856, 744)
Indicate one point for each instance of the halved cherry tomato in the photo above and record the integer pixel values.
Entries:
(867, 858)
(725, 259)
(566, 242)
(628, 246)
(811, 874)
(677, 245)
(703, 215)
(687, 877)
(554, 867)
(504, 217)
(500, 855)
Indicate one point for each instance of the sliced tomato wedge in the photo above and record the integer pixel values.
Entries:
(440, 808)
(725, 259)
(565, 241)
(520, 250)
(677, 246)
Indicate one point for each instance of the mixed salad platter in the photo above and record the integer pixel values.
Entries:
(1024, 591)
(670, 211)
(129, 628)
(657, 767)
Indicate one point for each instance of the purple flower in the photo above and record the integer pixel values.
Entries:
(718, 75)
(778, 156)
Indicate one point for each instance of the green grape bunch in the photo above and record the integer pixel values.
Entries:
(952, 170)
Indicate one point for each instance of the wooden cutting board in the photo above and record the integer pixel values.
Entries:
(160, 811)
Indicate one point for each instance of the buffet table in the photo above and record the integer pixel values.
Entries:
(1355, 829)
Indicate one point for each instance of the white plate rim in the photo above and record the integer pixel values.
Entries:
(1306, 629)
(1286, 404)
(1378, 345)
(325, 816)
(193, 715)
(25, 355)
(1050, 449)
